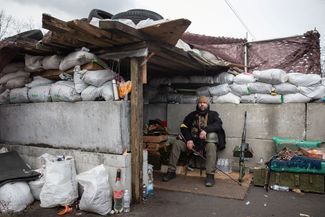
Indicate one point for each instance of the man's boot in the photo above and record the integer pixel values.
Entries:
(209, 181)
(169, 176)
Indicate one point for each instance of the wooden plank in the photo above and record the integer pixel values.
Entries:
(136, 128)
(168, 32)
(62, 41)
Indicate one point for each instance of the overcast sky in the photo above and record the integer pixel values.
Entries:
(265, 19)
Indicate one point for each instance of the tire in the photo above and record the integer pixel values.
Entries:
(35, 34)
(99, 14)
(136, 15)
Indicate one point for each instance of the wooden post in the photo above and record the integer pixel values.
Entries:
(137, 72)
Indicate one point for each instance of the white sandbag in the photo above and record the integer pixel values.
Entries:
(314, 92)
(323, 81)
(271, 76)
(64, 91)
(40, 94)
(244, 78)
(107, 91)
(98, 77)
(13, 67)
(295, 98)
(248, 98)
(259, 87)
(285, 88)
(33, 63)
(60, 186)
(179, 80)
(76, 58)
(223, 78)
(228, 98)
(97, 195)
(19, 95)
(2, 88)
(38, 81)
(305, 80)
(219, 90)
(268, 99)
(4, 79)
(201, 79)
(17, 82)
(203, 91)
(91, 93)
(240, 89)
(15, 197)
(183, 45)
(155, 82)
(188, 99)
(4, 97)
(37, 185)
(51, 62)
(79, 84)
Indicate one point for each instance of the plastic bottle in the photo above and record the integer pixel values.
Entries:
(115, 90)
(118, 192)
(144, 192)
(150, 186)
(280, 188)
(226, 165)
(126, 201)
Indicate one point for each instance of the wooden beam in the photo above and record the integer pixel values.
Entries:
(137, 127)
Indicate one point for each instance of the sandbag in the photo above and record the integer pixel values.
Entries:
(38, 81)
(174, 98)
(4, 97)
(15, 197)
(60, 187)
(51, 62)
(13, 67)
(76, 58)
(259, 87)
(295, 98)
(240, 89)
(248, 98)
(223, 78)
(179, 80)
(228, 98)
(271, 76)
(219, 90)
(155, 82)
(107, 91)
(244, 78)
(268, 99)
(40, 94)
(2, 88)
(314, 92)
(97, 195)
(305, 80)
(37, 185)
(19, 95)
(64, 91)
(79, 84)
(200, 79)
(91, 93)
(17, 82)
(33, 63)
(98, 77)
(203, 91)
(285, 88)
(4, 79)
(188, 99)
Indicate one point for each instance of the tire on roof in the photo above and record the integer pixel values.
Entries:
(136, 15)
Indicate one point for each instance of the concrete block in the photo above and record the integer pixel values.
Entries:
(315, 121)
(90, 126)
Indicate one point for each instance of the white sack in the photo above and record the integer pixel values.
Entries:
(98, 77)
(228, 98)
(295, 98)
(15, 197)
(269, 99)
(244, 78)
(201, 79)
(305, 80)
(4, 97)
(13, 67)
(40, 94)
(4, 79)
(97, 195)
(223, 78)
(271, 76)
(38, 81)
(37, 185)
(203, 91)
(60, 186)
(219, 90)
(17, 82)
(76, 58)
(259, 87)
(64, 91)
(107, 91)
(248, 98)
(51, 62)
(90, 93)
(285, 88)
(19, 95)
(314, 92)
(33, 63)
(79, 84)
(240, 89)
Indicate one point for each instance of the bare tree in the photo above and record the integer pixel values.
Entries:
(5, 21)
(322, 60)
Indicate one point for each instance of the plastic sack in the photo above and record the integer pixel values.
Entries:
(38, 81)
(259, 87)
(203, 91)
(314, 92)
(51, 62)
(17, 82)
(40, 94)
(228, 98)
(271, 76)
(79, 84)
(124, 88)
(200, 79)
(37, 185)
(240, 89)
(15, 197)
(33, 63)
(4, 79)
(188, 99)
(91, 93)
(248, 98)
(107, 91)
(97, 195)
(4, 97)
(64, 91)
(60, 186)
(285, 88)
(219, 90)
(223, 78)
(295, 98)
(13, 67)
(268, 99)
(19, 95)
(305, 80)
(244, 78)
(98, 77)
(76, 58)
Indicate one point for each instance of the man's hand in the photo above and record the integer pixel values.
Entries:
(203, 135)
(190, 144)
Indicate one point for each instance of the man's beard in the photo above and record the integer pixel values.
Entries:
(202, 112)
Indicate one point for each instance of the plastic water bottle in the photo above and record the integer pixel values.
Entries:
(144, 192)
(280, 188)
(226, 165)
(118, 192)
(126, 201)
(150, 186)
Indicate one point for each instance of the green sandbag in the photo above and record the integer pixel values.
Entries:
(294, 144)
